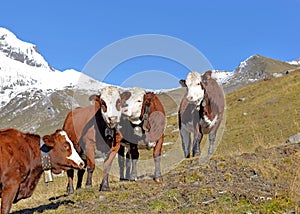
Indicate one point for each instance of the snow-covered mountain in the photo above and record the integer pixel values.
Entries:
(21, 51)
(22, 69)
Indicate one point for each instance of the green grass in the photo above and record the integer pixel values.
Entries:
(272, 115)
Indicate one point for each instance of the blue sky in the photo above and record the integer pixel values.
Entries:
(69, 33)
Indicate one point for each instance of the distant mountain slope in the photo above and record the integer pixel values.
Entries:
(256, 68)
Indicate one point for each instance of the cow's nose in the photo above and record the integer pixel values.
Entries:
(112, 119)
(189, 98)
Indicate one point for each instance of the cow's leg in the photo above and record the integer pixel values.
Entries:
(80, 174)
(70, 188)
(121, 162)
(212, 137)
(128, 164)
(104, 186)
(186, 141)
(157, 157)
(90, 170)
(197, 139)
(9, 191)
(196, 145)
(134, 158)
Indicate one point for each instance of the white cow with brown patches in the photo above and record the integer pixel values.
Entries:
(142, 126)
(201, 111)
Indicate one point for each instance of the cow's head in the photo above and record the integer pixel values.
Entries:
(195, 87)
(133, 105)
(63, 155)
(111, 101)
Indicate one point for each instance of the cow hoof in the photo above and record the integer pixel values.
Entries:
(196, 154)
(70, 190)
(158, 179)
(124, 179)
(133, 179)
(104, 188)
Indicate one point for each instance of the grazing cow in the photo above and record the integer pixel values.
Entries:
(93, 128)
(201, 111)
(24, 156)
(142, 126)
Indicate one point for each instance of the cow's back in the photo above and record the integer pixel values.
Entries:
(76, 121)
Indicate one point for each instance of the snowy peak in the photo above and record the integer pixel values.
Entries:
(262, 66)
(256, 68)
(23, 69)
(295, 62)
(221, 76)
(21, 51)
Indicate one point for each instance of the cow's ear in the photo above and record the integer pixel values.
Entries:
(48, 140)
(125, 96)
(202, 85)
(94, 97)
(182, 83)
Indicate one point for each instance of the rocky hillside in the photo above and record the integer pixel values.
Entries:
(257, 68)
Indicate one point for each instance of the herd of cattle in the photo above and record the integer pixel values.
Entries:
(117, 119)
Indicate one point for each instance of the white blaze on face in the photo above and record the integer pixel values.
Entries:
(112, 113)
(74, 155)
(133, 106)
(195, 91)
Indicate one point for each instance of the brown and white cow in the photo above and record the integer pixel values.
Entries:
(21, 166)
(93, 128)
(142, 126)
(201, 111)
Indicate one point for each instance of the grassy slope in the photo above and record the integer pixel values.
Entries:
(269, 114)
(235, 180)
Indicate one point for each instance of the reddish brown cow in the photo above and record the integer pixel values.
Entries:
(91, 132)
(21, 164)
(201, 111)
(142, 128)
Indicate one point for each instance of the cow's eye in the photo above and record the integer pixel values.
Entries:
(66, 146)
(103, 105)
(139, 101)
(198, 83)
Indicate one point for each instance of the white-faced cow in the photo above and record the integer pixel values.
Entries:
(142, 126)
(201, 111)
(24, 156)
(93, 128)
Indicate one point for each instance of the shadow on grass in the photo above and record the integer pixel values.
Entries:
(45, 207)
